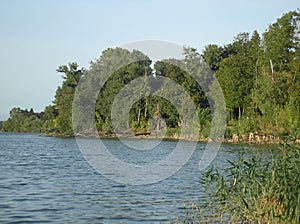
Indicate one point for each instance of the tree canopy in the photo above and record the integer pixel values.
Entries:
(259, 75)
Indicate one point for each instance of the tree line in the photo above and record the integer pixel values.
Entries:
(259, 76)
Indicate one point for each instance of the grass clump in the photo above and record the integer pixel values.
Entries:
(253, 189)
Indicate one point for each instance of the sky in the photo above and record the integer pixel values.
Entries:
(38, 36)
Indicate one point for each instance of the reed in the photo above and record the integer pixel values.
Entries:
(253, 189)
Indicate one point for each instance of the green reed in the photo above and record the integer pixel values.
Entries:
(254, 189)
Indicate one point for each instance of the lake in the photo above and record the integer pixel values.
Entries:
(45, 179)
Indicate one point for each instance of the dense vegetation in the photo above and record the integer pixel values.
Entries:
(259, 76)
(25, 121)
(252, 189)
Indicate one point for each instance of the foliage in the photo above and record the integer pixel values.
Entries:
(64, 97)
(259, 76)
(253, 189)
(22, 121)
(256, 190)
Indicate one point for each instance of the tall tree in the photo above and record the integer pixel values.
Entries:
(236, 76)
(281, 41)
(120, 66)
(65, 95)
(213, 54)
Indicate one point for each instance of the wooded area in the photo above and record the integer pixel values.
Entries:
(259, 76)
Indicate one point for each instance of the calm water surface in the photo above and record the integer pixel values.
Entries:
(44, 179)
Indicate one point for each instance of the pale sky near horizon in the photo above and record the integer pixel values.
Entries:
(38, 36)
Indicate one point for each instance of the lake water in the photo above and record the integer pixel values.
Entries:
(44, 179)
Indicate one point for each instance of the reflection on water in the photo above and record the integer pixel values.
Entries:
(45, 179)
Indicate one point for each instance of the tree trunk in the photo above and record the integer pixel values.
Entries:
(139, 116)
(240, 114)
(272, 69)
(146, 104)
(158, 124)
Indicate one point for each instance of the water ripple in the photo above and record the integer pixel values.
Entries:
(44, 179)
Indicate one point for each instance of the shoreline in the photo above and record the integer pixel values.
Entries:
(242, 139)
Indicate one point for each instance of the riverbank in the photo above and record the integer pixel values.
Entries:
(252, 138)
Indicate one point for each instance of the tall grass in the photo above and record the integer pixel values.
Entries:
(252, 190)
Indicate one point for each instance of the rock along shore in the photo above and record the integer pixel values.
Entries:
(251, 138)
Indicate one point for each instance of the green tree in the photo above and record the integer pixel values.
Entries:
(213, 54)
(237, 74)
(281, 41)
(22, 121)
(120, 66)
(64, 96)
(48, 118)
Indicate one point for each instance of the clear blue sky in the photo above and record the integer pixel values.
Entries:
(38, 36)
